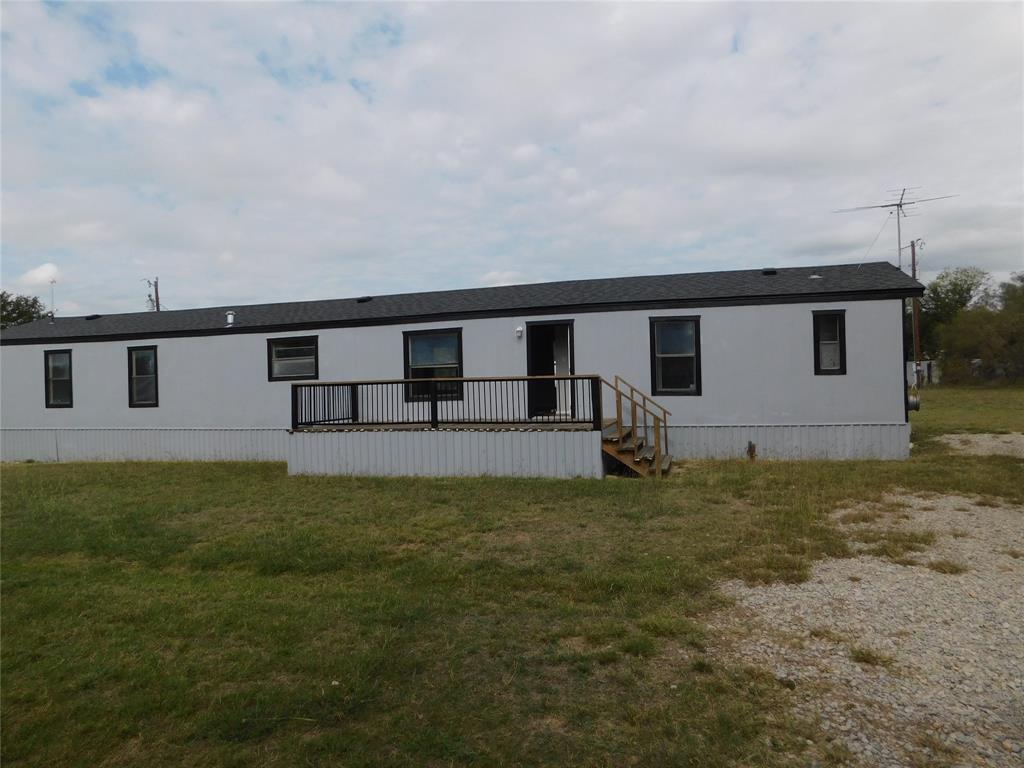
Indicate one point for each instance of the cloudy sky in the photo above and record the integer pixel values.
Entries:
(277, 151)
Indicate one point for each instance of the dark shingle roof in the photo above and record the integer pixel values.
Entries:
(703, 289)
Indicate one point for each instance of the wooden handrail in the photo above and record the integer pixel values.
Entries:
(644, 395)
(360, 382)
(613, 388)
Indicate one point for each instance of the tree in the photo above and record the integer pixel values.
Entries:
(950, 292)
(1012, 309)
(986, 341)
(15, 310)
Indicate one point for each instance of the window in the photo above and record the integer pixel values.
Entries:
(292, 358)
(57, 364)
(675, 355)
(829, 343)
(433, 355)
(142, 385)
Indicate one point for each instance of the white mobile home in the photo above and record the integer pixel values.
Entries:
(533, 379)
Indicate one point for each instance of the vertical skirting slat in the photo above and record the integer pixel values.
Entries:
(440, 453)
(791, 441)
(527, 453)
(143, 444)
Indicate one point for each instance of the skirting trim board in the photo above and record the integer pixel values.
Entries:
(448, 453)
(473, 452)
(791, 441)
(144, 444)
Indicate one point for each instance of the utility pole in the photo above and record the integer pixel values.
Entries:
(917, 315)
(153, 298)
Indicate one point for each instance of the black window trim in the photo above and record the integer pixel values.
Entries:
(841, 370)
(696, 391)
(156, 378)
(407, 369)
(300, 340)
(46, 379)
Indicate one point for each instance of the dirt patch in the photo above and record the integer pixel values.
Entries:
(902, 664)
(985, 444)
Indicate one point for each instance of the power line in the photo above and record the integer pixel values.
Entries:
(876, 237)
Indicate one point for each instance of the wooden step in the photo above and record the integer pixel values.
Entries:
(611, 432)
(666, 464)
(632, 444)
(625, 458)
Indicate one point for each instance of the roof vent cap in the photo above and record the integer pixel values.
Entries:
(364, 299)
(769, 271)
(229, 318)
(815, 276)
(93, 317)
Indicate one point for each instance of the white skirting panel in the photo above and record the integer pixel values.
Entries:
(447, 453)
(791, 441)
(144, 444)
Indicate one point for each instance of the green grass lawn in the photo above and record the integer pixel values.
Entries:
(968, 409)
(227, 614)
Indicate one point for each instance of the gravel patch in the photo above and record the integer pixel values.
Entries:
(940, 679)
(984, 444)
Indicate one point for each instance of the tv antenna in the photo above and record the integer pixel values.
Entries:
(153, 299)
(899, 205)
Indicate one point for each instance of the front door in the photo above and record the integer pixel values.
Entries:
(549, 353)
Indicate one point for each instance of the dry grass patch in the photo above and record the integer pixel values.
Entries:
(896, 544)
(859, 517)
(935, 753)
(826, 633)
(944, 565)
(864, 655)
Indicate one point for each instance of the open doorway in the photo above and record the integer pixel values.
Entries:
(549, 352)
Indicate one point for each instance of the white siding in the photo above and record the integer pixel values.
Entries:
(441, 453)
(757, 368)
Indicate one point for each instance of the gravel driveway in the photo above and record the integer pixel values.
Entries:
(984, 444)
(940, 673)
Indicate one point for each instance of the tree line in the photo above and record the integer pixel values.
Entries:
(975, 329)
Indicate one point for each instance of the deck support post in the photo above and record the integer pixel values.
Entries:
(353, 404)
(295, 406)
(433, 404)
(595, 402)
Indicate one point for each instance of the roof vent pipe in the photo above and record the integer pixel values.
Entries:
(229, 316)
(769, 271)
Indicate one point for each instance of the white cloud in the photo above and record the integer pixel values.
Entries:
(157, 104)
(526, 152)
(509, 142)
(39, 277)
(501, 277)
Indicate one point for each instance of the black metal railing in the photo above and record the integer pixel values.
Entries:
(441, 402)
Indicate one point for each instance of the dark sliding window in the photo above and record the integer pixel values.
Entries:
(292, 358)
(433, 355)
(829, 343)
(675, 355)
(142, 378)
(57, 364)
